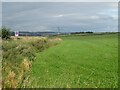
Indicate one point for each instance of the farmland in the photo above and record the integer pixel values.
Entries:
(77, 62)
(70, 61)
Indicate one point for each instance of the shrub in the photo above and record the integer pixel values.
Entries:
(5, 33)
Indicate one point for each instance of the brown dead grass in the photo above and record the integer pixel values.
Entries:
(14, 79)
(55, 40)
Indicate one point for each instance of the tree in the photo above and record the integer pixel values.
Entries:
(5, 33)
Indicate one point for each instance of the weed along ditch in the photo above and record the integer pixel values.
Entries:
(18, 55)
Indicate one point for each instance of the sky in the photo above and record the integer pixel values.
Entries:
(60, 0)
(68, 16)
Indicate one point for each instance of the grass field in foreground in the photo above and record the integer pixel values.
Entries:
(78, 62)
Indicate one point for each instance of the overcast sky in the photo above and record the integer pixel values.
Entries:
(60, 0)
(69, 16)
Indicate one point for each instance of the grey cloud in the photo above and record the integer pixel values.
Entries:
(60, 0)
(45, 16)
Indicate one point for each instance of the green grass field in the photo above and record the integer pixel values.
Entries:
(77, 62)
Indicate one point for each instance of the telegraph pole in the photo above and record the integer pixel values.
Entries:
(58, 30)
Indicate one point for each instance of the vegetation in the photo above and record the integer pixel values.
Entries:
(73, 61)
(18, 55)
(77, 62)
(5, 33)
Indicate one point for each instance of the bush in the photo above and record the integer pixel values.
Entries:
(5, 33)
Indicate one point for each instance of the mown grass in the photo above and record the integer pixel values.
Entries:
(77, 62)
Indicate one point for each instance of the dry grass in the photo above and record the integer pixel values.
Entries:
(16, 65)
(15, 79)
(26, 63)
(55, 40)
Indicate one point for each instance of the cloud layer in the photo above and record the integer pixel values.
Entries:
(60, 0)
(72, 16)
